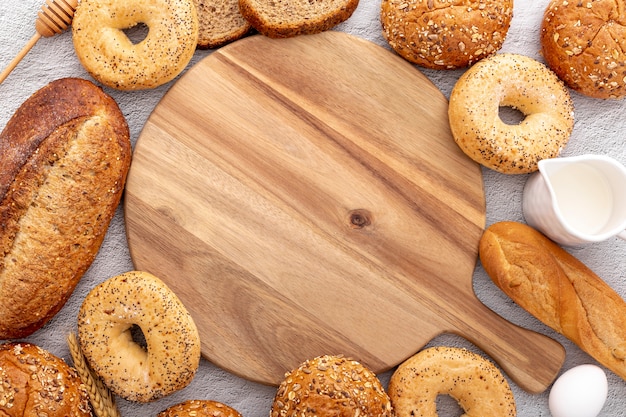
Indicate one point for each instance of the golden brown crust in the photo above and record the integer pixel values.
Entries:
(199, 408)
(284, 19)
(520, 82)
(331, 386)
(220, 22)
(473, 381)
(36, 382)
(557, 289)
(445, 34)
(107, 53)
(64, 156)
(584, 42)
(171, 357)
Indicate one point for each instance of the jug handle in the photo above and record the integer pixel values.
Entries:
(622, 235)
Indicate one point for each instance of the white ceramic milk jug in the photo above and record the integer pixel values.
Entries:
(577, 200)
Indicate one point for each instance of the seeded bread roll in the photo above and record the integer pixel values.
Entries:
(220, 22)
(331, 386)
(199, 408)
(583, 43)
(445, 34)
(64, 156)
(287, 18)
(37, 383)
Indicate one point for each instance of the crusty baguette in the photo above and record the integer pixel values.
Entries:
(557, 289)
(220, 22)
(64, 156)
(287, 18)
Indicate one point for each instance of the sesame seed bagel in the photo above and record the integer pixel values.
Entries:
(107, 53)
(519, 82)
(445, 34)
(583, 44)
(199, 408)
(331, 386)
(473, 381)
(106, 319)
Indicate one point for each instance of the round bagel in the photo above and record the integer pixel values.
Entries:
(199, 408)
(520, 82)
(446, 34)
(113, 59)
(473, 381)
(331, 386)
(106, 319)
(583, 45)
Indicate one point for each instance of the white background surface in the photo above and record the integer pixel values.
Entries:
(599, 128)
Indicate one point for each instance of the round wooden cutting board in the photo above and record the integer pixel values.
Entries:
(304, 196)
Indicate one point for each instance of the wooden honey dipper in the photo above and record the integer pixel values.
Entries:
(54, 17)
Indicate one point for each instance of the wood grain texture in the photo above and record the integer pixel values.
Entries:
(304, 196)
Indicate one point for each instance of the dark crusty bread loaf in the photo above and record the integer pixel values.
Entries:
(37, 383)
(220, 22)
(64, 156)
(287, 18)
(557, 289)
(583, 43)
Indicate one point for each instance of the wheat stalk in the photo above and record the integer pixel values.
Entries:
(100, 397)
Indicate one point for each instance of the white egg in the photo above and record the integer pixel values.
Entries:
(579, 392)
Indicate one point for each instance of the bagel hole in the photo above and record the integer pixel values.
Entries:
(138, 337)
(137, 33)
(448, 406)
(510, 115)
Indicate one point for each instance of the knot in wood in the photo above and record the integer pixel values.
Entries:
(360, 218)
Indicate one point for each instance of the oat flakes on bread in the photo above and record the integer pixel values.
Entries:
(331, 386)
(445, 34)
(64, 156)
(288, 18)
(557, 289)
(220, 22)
(584, 43)
(37, 383)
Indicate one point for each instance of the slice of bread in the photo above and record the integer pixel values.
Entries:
(287, 18)
(220, 23)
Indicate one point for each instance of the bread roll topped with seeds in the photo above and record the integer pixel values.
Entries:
(445, 34)
(583, 44)
(331, 386)
(37, 383)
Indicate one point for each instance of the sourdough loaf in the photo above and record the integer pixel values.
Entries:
(220, 22)
(64, 156)
(557, 289)
(287, 18)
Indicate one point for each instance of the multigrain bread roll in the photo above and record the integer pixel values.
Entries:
(37, 383)
(557, 289)
(64, 156)
(583, 43)
(445, 34)
(199, 408)
(331, 386)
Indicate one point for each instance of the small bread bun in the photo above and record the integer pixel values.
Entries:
(583, 44)
(445, 34)
(199, 408)
(37, 383)
(331, 386)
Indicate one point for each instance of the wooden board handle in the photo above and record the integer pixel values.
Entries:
(532, 360)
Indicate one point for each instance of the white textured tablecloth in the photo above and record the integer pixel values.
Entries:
(599, 129)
